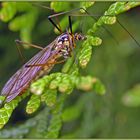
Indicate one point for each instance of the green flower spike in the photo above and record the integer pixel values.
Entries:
(38, 87)
(49, 97)
(107, 18)
(33, 104)
(66, 85)
(85, 83)
(55, 82)
(86, 50)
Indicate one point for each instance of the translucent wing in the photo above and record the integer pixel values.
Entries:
(21, 79)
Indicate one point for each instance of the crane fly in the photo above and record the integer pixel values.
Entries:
(40, 64)
(43, 61)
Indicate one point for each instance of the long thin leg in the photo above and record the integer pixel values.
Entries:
(71, 43)
(36, 65)
(70, 24)
(58, 14)
(54, 24)
(66, 12)
(20, 53)
(21, 43)
(129, 33)
(46, 7)
(60, 61)
(94, 18)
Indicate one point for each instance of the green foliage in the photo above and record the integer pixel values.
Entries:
(8, 11)
(50, 97)
(86, 51)
(19, 23)
(19, 131)
(56, 121)
(60, 6)
(55, 89)
(8, 108)
(86, 4)
(33, 104)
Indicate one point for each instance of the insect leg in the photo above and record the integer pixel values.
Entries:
(21, 43)
(49, 18)
(20, 53)
(129, 33)
(93, 16)
(58, 28)
(70, 26)
(60, 61)
(36, 65)
(58, 14)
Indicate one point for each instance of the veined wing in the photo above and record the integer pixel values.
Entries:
(21, 79)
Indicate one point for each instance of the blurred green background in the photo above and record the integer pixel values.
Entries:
(114, 115)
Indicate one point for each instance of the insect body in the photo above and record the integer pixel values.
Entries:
(40, 64)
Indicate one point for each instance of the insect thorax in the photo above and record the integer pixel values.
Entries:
(66, 42)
